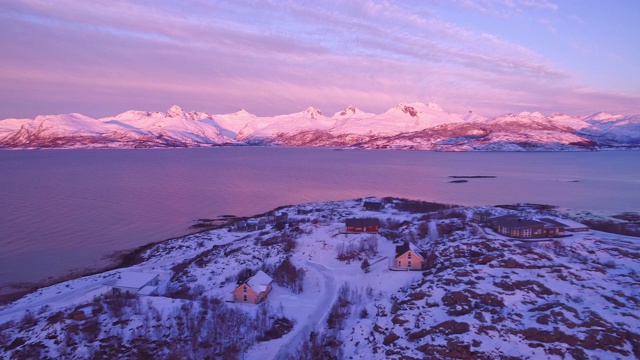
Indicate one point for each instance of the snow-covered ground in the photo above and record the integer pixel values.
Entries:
(481, 295)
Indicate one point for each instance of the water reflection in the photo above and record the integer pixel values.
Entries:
(66, 209)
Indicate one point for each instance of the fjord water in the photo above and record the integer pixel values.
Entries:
(63, 210)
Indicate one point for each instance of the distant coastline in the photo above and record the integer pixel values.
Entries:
(406, 126)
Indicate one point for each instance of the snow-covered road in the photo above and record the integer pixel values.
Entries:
(315, 318)
(433, 231)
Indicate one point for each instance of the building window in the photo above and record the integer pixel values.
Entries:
(409, 256)
(244, 289)
(399, 263)
(245, 297)
(526, 233)
(409, 264)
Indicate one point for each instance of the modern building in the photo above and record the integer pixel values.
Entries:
(138, 283)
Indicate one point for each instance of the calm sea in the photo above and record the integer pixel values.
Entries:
(63, 210)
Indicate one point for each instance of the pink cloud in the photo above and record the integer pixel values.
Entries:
(271, 58)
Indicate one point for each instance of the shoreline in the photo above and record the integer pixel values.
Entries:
(127, 258)
(122, 259)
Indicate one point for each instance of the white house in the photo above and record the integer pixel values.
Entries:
(134, 283)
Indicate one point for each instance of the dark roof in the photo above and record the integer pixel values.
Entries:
(401, 249)
(504, 217)
(406, 246)
(484, 213)
(516, 223)
(376, 205)
(362, 222)
(552, 223)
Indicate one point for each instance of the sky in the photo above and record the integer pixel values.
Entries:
(103, 57)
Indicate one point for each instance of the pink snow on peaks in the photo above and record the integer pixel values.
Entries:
(349, 110)
(175, 112)
(352, 111)
(312, 112)
(408, 125)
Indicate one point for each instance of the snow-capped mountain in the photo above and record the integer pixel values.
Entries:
(613, 130)
(405, 126)
(131, 129)
(266, 129)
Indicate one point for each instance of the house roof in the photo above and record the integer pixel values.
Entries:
(483, 213)
(148, 290)
(259, 281)
(362, 222)
(517, 223)
(373, 204)
(135, 280)
(570, 224)
(405, 247)
(552, 223)
(504, 217)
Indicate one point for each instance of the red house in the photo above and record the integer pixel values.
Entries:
(366, 225)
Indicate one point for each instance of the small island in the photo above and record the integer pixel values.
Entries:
(472, 176)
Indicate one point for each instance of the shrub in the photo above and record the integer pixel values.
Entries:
(393, 224)
(285, 238)
(288, 275)
(179, 291)
(455, 214)
(423, 229)
(91, 329)
(29, 320)
(366, 267)
(243, 275)
(5, 336)
(278, 329)
(322, 346)
(395, 306)
(340, 309)
(449, 227)
(414, 206)
(55, 318)
(364, 313)
(289, 244)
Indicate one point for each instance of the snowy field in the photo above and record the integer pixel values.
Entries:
(480, 295)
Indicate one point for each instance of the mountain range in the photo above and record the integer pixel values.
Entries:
(406, 126)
